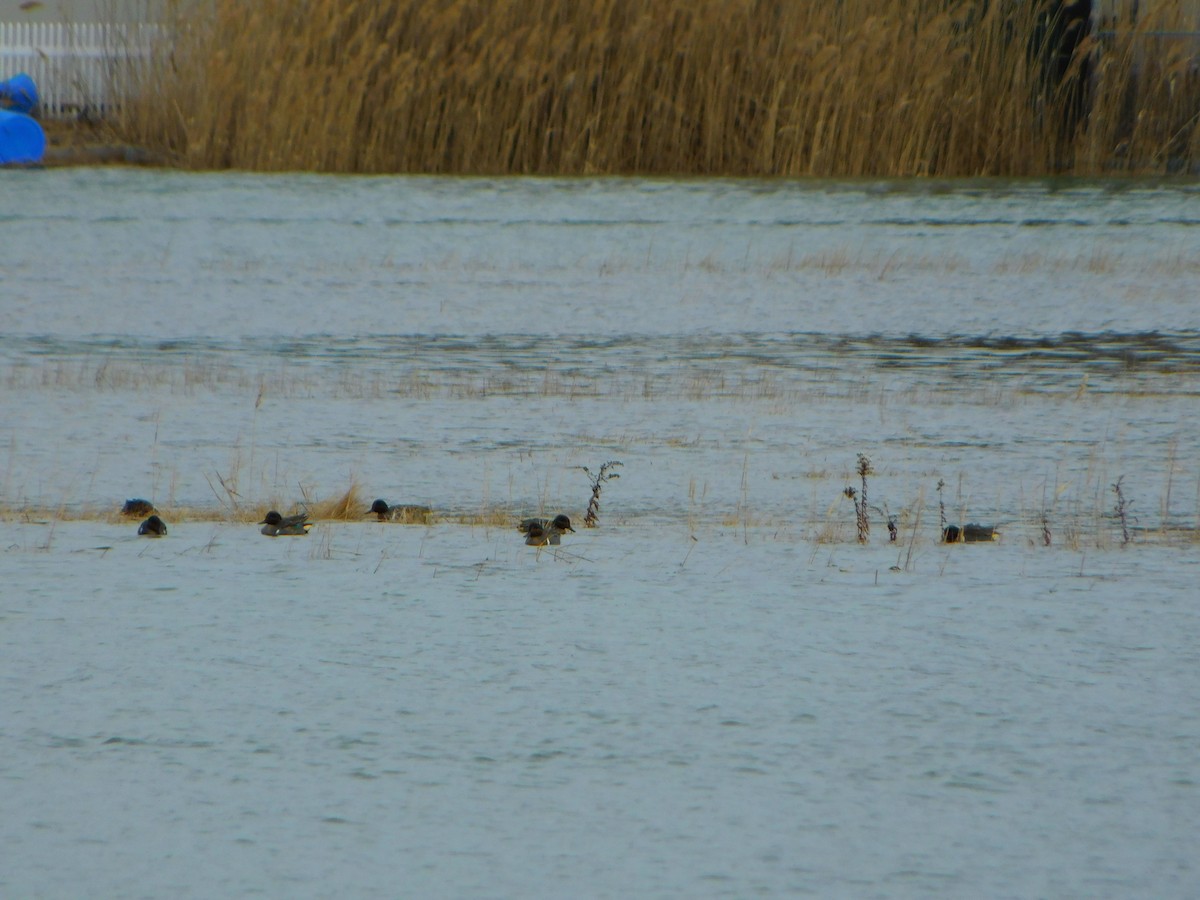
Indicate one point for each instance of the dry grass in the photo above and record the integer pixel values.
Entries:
(706, 87)
(1078, 514)
(344, 507)
(347, 508)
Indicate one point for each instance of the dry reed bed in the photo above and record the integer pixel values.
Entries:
(705, 87)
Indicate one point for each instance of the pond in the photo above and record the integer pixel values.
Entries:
(719, 691)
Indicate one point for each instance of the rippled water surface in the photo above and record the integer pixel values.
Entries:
(718, 692)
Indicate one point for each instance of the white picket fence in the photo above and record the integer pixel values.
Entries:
(79, 66)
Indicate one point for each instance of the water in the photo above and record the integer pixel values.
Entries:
(719, 692)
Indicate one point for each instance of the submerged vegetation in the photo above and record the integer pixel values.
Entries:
(603, 474)
(702, 87)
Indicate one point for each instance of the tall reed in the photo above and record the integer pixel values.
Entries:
(706, 87)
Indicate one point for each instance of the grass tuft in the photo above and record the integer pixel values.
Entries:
(348, 507)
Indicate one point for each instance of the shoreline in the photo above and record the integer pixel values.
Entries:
(87, 143)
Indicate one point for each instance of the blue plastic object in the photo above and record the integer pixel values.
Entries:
(22, 140)
(18, 93)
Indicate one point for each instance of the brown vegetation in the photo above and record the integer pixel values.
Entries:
(703, 87)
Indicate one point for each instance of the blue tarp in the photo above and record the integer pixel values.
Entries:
(18, 94)
(22, 140)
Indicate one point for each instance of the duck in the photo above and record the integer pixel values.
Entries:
(137, 507)
(970, 534)
(540, 532)
(537, 536)
(404, 513)
(153, 527)
(275, 525)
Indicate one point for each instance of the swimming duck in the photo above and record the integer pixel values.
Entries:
(970, 534)
(153, 527)
(275, 525)
(137, 507)
(540, 532)
(537, 536)
(404, 513)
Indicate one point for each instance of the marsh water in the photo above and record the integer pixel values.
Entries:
(717, 692)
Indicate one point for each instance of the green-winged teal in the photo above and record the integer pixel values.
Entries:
(137, 507)
(153, 527)
(275, 525)
(540, 532)
(970, 534)
(403, 513)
